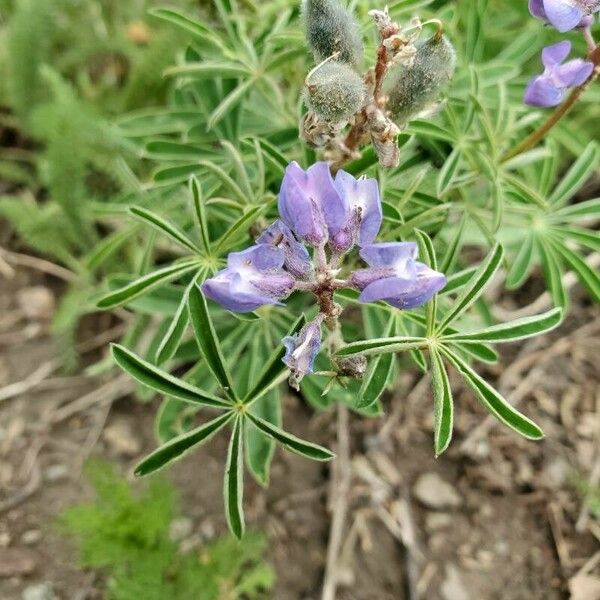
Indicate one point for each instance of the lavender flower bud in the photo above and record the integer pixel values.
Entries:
(331, 28)
(418, 86)
(302, 350)
(335, 92)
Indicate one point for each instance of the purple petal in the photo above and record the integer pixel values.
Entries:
(542, 92)
(536, 8)
(363, 277)
(231, 292)
(275, 285)
(554, 55)
(573, 73)
(262, 257)
(297, 258)
(427, 284)
(388, 289)
(563, 14)
(335, 208)
(362, 195)
(389, 254)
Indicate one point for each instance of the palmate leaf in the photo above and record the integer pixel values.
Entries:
(589, 278)
(178, 446)
(509, 332)
(523, 263)
(207, 339)
(275, 369)
(146, 283)
(161, 381)
(233, 485)
(443, 407)
(576, 176)
(475, 287)
(291, 442)
(492, 400)
(164, 226)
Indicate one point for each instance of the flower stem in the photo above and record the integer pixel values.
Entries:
(535, 137)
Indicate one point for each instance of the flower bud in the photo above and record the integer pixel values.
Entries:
(335, 92)
(330, 29)
(301, 350)
(416, 87)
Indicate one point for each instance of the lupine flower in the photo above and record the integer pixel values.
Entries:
(297, 259)
(310, 205)
(550, 88)
(302, 349)
(253, 278)
(565, 14)
(395, 276)
(364, 211)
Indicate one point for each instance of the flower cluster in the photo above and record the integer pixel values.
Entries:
(331, 216)
(550, 88)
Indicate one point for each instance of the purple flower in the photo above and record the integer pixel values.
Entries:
(395, 276)
(296, 257)
(364, 212)
(310, 205)
(253, 278)
(565, 14)
(302, 349)
(549, 88)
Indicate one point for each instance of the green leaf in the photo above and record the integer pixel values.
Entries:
(428, 254)
(200, 213)
(291, 442)
(376, 378)
(448, 172)
(552, 273)
(382, 346)
(146, 283)
(588, 277)
(178, 446)
(453, 250)
(164, 226)
(233, 487)
(590, 239)
(493, 401)
(210, 69)
(172, 338)
(229, 102)
(260, 447)
(231, 236)
(576, 176)
(588, 209)
(161, 381)
(225, 179)
(475, 287)
(443, 405)
(523, 263)
(207, 339)
(515, 330)
(274, 369)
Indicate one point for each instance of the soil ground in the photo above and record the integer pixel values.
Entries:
(497, 517)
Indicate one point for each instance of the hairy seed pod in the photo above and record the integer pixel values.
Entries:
(331, 28)
(418, 86)
(335, 92)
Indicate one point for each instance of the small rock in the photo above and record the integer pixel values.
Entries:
(452, 587)
(120, 438)
(180, 528)
(4, 539)
(39, 591)
(437, 521)
(16, 561)
(56, 472)
(431, 490)
(36, 302)
(33, 536)
(585, 587)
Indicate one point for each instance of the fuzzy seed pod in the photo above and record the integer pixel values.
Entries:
(417, 87)
(335, 92)
(331, 28)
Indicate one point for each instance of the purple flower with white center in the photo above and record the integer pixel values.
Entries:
(364, 215)
(297, 259)
(253, 278)
(301, 350)
(550, 88)
(395, 276)
(310, 205)
(565, 15)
